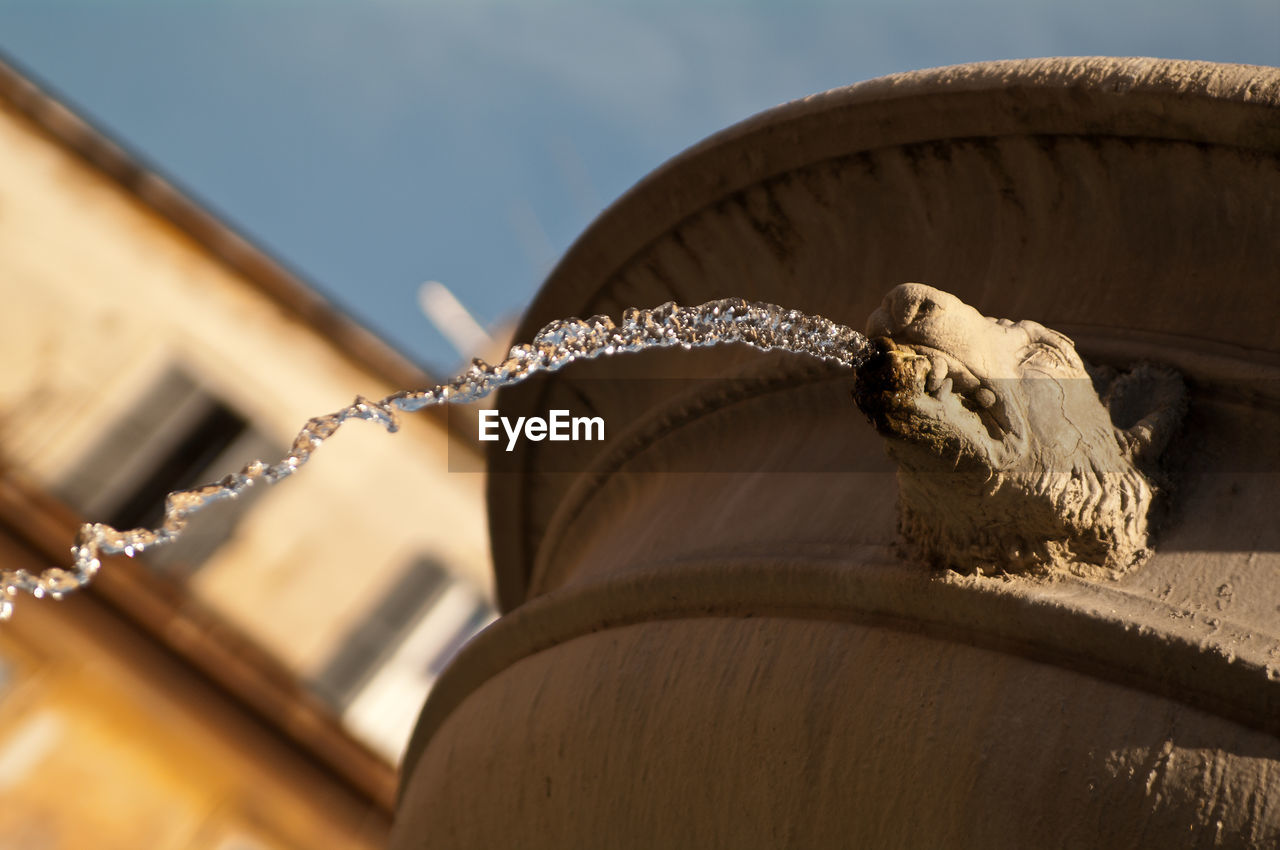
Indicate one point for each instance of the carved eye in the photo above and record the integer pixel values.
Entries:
(1045, 355)
(919, 310)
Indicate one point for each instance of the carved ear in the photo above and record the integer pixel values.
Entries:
(1147, 404)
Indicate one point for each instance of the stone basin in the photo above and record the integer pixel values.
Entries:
(712, 635)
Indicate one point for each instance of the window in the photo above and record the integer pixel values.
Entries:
(176, 436)
(377, 635)
(384, 669)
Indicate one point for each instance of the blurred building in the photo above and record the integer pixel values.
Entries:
(147, 348)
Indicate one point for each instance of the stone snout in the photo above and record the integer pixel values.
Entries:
(558, 426)
(1013, 455)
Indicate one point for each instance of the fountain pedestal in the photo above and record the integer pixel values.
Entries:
(712, 638)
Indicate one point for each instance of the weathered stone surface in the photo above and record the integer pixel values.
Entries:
(738, 657)
(780, 731)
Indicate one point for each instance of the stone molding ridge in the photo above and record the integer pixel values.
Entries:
(1219, 667)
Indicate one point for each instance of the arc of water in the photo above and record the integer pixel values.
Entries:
(727, 320)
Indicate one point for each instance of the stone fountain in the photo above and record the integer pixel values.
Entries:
(1048, 617)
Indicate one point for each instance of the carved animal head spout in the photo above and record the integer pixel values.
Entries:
(1013, 455)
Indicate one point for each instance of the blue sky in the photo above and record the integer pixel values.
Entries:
(374, 145)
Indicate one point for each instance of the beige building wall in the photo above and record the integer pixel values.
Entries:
(130, 320)
(107, 742)
(101, 296)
